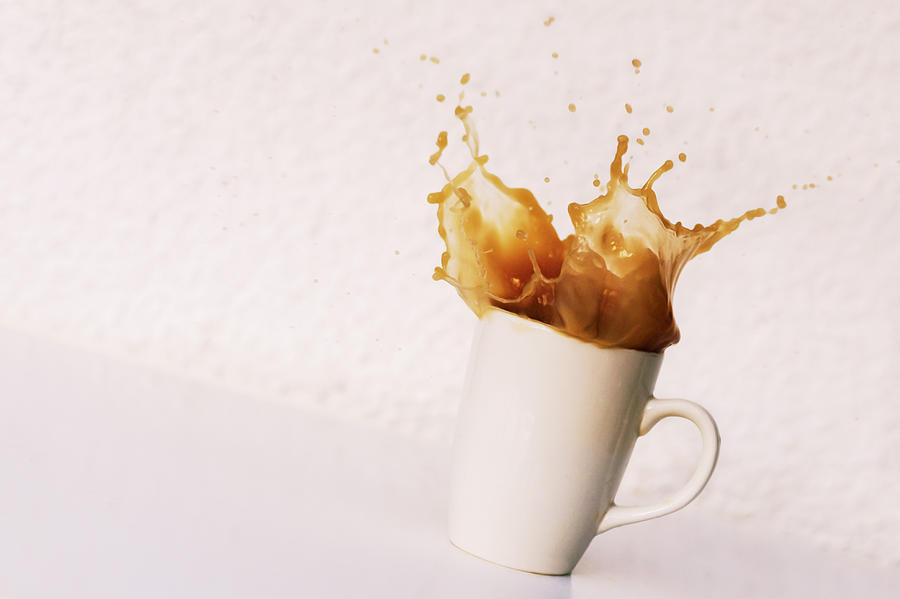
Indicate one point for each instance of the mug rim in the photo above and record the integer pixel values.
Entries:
(546, 328)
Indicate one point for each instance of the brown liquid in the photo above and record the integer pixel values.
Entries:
(610, 283)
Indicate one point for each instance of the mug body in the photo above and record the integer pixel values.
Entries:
(544, 432)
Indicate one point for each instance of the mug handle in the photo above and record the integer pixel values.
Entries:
(656, 410)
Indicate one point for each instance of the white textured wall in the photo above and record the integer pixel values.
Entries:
(235, 191)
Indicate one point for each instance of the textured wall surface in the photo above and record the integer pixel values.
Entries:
(234, 191)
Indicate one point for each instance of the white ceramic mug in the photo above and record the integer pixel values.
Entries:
(545, 429)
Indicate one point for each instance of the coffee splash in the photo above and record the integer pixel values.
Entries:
(610, 283)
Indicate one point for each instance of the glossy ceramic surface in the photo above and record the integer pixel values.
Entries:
(544, 433)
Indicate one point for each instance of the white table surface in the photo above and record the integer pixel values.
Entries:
(119, 482)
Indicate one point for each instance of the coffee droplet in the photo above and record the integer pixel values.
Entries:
(571, 108)
(375, 50)
(628, 108)
(682, 156)
(464, 79)
(423, 57)
(645, 131)
(549, 21)
(779, 201)
(441, 98)
(546, 179)
(670, 109)
(441, 144)
(636, 63)
(640, 141)
(555, 55)
(435, 59)
(609, 283)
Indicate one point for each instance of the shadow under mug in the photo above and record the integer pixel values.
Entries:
(544, 433)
